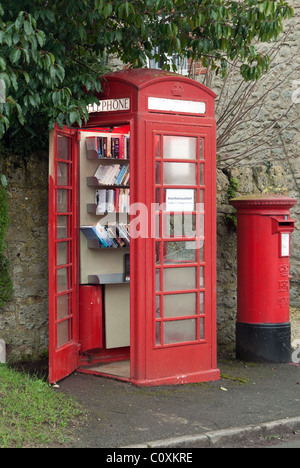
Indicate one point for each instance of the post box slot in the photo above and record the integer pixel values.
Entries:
(285, 223)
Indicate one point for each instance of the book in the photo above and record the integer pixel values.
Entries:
(102, 147)
(91, 233)
(102, 173)
(110, 205)
(112, 235)
(120, 175)
(100, 200)
(127, 267)
(115, 147)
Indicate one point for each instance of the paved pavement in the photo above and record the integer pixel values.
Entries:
(251, 404)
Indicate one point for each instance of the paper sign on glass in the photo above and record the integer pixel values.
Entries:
(180, 200)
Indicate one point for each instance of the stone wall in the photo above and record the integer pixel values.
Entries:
(274, 167)
(24, 321)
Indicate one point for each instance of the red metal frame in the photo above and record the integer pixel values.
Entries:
(152, 364)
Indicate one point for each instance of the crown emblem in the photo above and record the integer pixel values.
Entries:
(177, 90)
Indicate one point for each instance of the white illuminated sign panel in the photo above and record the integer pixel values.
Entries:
(111, 105)
(176, 105)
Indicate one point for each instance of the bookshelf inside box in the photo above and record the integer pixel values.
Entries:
(99, 264)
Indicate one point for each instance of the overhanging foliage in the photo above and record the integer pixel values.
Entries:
(52, 53)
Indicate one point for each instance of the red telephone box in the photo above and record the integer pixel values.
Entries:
(132, 234)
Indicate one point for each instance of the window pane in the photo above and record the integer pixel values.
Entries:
(62, 253)
(62, 306)
(157, 253)
(63, 333)
(201, 149)
(62, 280)
(201, 303)
(157, 173)
(177, 147)
(180, 331)
(201, 174)
(63, 174)
(179, 174)
(202, 330)
(62, 201)
(179, 252)
(158, 334)
(62, 147)
(201, 277)
(180, 305)
(157, 146)
(179, 225)
(62, 227)
(179, 279)
(157, 307)
(157, 280)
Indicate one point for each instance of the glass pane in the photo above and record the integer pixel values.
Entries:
(158, 198)
(62, 227)
(201, 148)
(63, 174)
(157, 173)
(62, 147)
(157, 334)
(62, 253)
(62, 280)
(201, 277)
(201, 174)
(179, 252)
(177, 147)
(157, 280)
(179, 225)
(201, 197)
(201, 251)
(180, 305)
(179, 331)
(201, 232)
(179, 174)
(201, 303)
(179, 279)
(62, 333)
(157, 146)
(157, 253)
(157, 307)
(202, 333)
(62, 307)
(62, 201)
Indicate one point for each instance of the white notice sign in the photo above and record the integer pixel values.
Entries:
(176, 105)
(180, 200)
(285, 245)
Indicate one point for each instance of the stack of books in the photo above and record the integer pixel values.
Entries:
(108, 146)
(114, 174)
(114, 234)
(112, 201)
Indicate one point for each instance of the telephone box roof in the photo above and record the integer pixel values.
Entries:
(142, 77)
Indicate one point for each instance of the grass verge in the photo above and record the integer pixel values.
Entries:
(32, 414)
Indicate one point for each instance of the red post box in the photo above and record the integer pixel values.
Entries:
(263, 257)
(135, 186)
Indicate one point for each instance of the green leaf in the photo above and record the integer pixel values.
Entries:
(2, 64)
(3, 180)
(15, 55)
